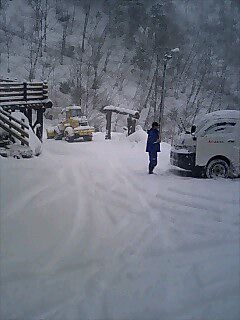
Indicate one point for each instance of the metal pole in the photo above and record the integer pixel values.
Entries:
(161, 108)
(39, 129)
(156, 90)
(108, 125)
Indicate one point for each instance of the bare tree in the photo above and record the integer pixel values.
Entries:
(45, 25)
(79, 69)
(33, 57)
(8, 41)
(109, 52)
(65, 21)
(72, 19)
(7, 38)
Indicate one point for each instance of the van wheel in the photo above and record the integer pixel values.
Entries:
(217, 168)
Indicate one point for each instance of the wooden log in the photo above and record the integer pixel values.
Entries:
(11, 84)
(23, 135)
(14, 126)
(13, 118)
(35, 87)
(133, 113)
(108, 125)
(33, 97)
(11, 93)
(10, 88)
(29, 116)
(7, 80)
(38, 91)
(21, 105)
(35, 84)
(44, 102)
(39, 129)
(13, 133)
(24, 95)
(21, 99)
(11, 98)
(25, 91)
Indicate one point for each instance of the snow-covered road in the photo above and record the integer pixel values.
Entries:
(86, 233)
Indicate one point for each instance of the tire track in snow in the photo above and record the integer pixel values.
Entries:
(82, 221)
(192, 248)
(185, 203)
(203, 197)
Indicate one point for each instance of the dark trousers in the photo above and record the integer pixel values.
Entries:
(152, 161)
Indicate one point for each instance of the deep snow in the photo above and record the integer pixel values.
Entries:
(86, 233)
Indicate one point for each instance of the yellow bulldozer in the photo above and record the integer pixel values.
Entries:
(73, 126)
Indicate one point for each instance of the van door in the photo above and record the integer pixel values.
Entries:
(219, 139)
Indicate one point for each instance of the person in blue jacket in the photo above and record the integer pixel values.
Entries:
(153, 146)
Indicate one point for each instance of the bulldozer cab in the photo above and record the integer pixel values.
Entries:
(73, 112)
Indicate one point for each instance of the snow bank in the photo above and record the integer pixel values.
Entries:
(86, 233)
(115, 136)
(138, 136)
(34, 143)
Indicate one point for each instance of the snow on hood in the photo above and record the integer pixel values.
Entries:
(84, 128)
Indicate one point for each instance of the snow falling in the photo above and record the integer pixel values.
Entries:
(89, 229)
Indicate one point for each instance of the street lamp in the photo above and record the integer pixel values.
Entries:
(167, 57)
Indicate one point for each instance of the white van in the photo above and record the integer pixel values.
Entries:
(212, 147)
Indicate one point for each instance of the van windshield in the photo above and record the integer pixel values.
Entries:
(200, 125)
(226, 127)
(226, 124)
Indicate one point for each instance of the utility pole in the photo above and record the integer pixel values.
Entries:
(167, 57)
(161, 107)
(156, 89)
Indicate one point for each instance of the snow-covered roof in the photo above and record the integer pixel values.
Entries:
(73, 108)
(201, 121)
(223, 114)
(47, 103)
(121, 110)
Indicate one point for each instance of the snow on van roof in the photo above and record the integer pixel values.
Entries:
(233, 114)
(220, 114)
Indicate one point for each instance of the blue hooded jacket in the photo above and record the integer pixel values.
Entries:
(153, 135)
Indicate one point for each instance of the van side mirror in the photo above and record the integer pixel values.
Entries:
(193, 129)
